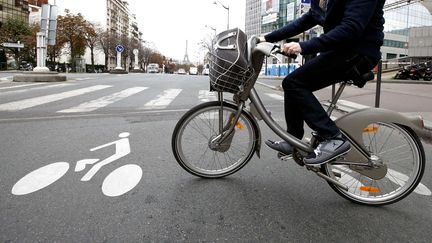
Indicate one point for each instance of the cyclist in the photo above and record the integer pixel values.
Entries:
(350, 45)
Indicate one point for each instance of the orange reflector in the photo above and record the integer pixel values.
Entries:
(371, 129)
(239, 126)
(369, 189)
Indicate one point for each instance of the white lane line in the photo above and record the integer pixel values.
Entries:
(5, 79)
(163, 100)
(351, 105)
(36, 88)
(275, 96)
(103, 101)
(31, 102)
(400, 179)
(20, 86)
(206, 95)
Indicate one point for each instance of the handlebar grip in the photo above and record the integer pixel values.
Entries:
(293, 56)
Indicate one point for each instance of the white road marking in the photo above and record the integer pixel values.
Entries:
(206, 96)
(36, 88)
(352, 105)
(275, 96)
(121, 180)
(163, 100)
(103, 101)
(40, 178)
(6, 78)
(20, 86)
(31, 102)
(400, 179)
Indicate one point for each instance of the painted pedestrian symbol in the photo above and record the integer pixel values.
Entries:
(117, 183)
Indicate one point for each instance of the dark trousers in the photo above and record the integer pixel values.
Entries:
(300, 103)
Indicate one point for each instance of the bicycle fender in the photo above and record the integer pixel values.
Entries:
(355, 122)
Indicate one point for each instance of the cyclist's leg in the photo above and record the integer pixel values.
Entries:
(301, 104)
(322, 71)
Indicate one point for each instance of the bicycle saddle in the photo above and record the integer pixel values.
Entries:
(361, 79)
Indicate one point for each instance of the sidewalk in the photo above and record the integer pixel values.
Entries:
(411, 98)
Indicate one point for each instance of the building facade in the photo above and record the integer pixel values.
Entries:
(118, 17)
(264, 16)
(18, 9)
(420, 43)
(253, 17)
(402, 29)
(35, 8)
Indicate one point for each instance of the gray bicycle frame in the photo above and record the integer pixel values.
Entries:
(351, 124)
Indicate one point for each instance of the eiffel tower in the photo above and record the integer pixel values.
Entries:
(186, 56)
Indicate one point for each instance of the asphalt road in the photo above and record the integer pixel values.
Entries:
(267, 201)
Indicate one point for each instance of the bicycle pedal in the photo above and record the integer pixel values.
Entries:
(284, 157)
(337, 174)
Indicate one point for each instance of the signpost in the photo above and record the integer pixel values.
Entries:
(135, 52)
(12, 45)
(46, 36)
(119, 49)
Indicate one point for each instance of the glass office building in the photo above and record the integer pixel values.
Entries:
(404, 22)
(14, 9)
(400, 17)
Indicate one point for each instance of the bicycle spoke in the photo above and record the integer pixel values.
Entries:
(403, 160)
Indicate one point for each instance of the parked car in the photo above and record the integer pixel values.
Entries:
(153, 68)
(193, 71)
(181, 71)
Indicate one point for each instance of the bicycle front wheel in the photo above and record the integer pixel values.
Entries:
(193, 135)
(402, 160)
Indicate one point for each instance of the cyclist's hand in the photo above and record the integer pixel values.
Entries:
(262, 39)
(292, 48)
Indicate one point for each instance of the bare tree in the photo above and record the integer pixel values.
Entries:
(106, 43)
(92, 41)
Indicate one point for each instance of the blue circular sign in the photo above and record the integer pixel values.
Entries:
(119, 48)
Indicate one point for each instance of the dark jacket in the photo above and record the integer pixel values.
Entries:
(348, 25)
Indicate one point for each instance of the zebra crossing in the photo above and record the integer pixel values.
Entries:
(161, 100)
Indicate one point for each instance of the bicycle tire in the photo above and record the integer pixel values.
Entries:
(399, 177)
(198, 158)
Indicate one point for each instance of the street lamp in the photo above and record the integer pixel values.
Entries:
(225, 7)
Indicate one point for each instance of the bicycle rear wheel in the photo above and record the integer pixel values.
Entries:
(401, 153)
(192, 136)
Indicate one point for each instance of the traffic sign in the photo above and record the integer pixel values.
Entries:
(13, 45)
(119, 48)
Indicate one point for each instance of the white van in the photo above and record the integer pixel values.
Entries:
(153, 68)
(193, 71)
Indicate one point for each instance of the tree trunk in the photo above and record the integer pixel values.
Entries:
(92, 58)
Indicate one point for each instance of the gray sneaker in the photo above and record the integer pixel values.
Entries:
(281, 146)
(328, 150)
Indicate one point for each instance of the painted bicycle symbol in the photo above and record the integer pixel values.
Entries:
(117, 183)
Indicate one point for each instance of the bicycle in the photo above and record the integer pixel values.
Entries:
(216, 139)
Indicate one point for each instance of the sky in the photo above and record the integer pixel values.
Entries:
(167, 24)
